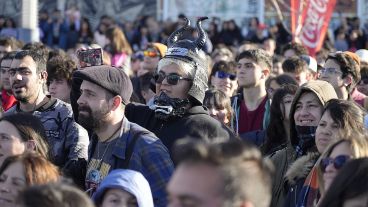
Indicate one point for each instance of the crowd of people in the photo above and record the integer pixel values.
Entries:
(181, 117)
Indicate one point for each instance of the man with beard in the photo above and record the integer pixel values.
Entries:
(116, 142)
(250, 114)
(67, 140)
(181, 82)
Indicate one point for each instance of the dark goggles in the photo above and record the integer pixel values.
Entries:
(223, 75)
(171, 78)
(338, 162)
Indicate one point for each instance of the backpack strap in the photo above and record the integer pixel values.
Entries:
(129, 150)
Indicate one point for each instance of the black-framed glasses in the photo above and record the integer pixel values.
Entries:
(223, 75)
(338, 162)
(171, 78)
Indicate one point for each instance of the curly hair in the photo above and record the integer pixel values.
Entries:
(59, 68)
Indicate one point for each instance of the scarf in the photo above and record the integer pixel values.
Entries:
(306, 136)
(309, 194)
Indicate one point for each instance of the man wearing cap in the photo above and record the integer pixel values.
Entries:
(181, 82)
(342, 70)
(115, 142)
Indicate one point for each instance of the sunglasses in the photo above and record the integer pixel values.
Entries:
(150, 53)
(338, 162)
(171, 78)
(223, 75)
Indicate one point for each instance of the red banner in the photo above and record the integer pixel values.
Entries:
(309, 22)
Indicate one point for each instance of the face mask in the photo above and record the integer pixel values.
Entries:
(306, 135)
(167, 108)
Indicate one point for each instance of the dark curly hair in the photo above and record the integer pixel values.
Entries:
(59, 68)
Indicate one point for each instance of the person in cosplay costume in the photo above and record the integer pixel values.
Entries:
(181, 82)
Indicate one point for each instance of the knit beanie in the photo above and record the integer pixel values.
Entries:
(110, 78)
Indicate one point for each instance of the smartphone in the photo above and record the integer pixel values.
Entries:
(90, 57)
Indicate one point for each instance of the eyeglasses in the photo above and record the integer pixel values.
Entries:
(330, 71)
(338, 162)
(171, 78)
(223, 75)
(150, 53)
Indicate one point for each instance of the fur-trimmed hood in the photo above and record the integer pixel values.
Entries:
(301, 167)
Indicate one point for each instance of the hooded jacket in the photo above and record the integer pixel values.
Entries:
(283, 158)
(127, 180)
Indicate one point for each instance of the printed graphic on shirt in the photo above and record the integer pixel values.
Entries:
(96, 172)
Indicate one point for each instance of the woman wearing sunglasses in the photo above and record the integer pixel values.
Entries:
(337, 155)
(349, 188)
(223, 77)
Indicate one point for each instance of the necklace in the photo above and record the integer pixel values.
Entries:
(107, 147)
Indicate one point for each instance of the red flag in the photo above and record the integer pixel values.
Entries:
(315, 17)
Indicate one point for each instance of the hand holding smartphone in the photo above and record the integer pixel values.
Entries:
(89, 57)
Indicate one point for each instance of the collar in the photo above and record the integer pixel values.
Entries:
(41, 108)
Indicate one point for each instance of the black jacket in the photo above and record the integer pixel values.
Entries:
(196, 123)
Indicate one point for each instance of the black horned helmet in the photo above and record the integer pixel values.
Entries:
(191, 52)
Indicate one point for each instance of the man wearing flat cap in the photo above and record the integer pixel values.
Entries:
(116, 142)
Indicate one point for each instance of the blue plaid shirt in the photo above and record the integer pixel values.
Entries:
(150, 157)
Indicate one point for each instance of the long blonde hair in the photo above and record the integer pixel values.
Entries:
(118, 41)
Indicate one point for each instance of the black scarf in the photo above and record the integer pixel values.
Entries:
(306, 135)
(167, 108)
